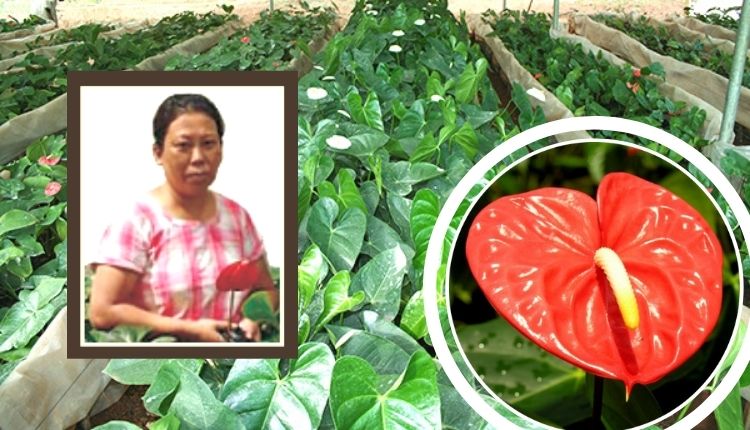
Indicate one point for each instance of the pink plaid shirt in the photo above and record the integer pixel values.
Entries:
(179, 260)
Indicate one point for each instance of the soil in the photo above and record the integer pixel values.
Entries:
(128, 408)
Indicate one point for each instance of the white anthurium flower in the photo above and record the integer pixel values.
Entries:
(398, 33)
(436, 98)
(316, 67)
(344, 113)
(537, 94)
(338, 142)
(315, 93)
(435, 15)
(420, 22)
(395, 48)
(328, 78)
(372, 12)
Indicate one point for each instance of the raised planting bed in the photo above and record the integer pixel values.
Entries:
(663, 40)
(699, 81)
(42, 80)
(587, 83)
(33, 246)
(13, 25)
(32, 94)
(275, 41)
(11, 48)
(721, 17)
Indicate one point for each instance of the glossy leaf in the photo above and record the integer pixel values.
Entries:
(338, 237)
(310, 272)
(336, 299)
(259, 307)
(422, 219)
(143, 371)
(413, 320)
(196, 407)
(266, 398)
(15, 219)
(378, 341)
(380, 280)
(522, 374)
(360, 400)
(32, 312)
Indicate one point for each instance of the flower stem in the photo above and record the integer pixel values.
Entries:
(596, 413)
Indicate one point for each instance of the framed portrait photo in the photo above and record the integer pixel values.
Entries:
(182, 214)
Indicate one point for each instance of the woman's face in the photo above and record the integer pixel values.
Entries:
(191, 153)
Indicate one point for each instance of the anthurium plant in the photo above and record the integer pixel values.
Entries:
(588, 84)
(697, 53)
(33, 246)
(627, 287)
(13, 24)
(542, 209)
(40, 79)
(269, 43)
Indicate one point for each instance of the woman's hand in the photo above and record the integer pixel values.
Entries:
(251, 329)
(205, 330)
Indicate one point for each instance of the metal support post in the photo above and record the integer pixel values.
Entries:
(735, 75)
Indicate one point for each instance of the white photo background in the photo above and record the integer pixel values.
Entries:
(118, 168)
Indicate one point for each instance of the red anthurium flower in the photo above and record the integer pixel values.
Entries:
(537, 76)
(48, 160)
(245, 39)
(240, 275)
(626, 287)
(636, 73)
(52, 188)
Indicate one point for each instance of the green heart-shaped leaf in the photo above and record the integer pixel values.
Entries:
(340, 238)
(362, 399)
(264, 398)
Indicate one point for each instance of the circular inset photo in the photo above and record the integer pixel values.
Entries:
(595, 285)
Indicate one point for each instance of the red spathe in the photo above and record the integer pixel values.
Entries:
(532, 254)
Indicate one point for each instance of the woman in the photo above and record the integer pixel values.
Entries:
(158, 267)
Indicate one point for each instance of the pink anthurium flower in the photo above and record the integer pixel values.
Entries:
(48, 160)
(52, 188)
(626, 287)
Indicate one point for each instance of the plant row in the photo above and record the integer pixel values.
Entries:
(37, 79)
(270, 43)
(588, 84)
(660, 40)
(13, 24)
(33, 246)
(395, 112)
(77, 34)
(717, 16)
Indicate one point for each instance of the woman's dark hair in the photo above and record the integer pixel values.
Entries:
(177, 104)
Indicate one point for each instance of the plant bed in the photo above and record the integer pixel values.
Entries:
(33, 247)
(661, 39)
(703, 83)
(708, 29)
(588, 84)
(33, 94)
(272, 42)
(81, 33)
(42, 80)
